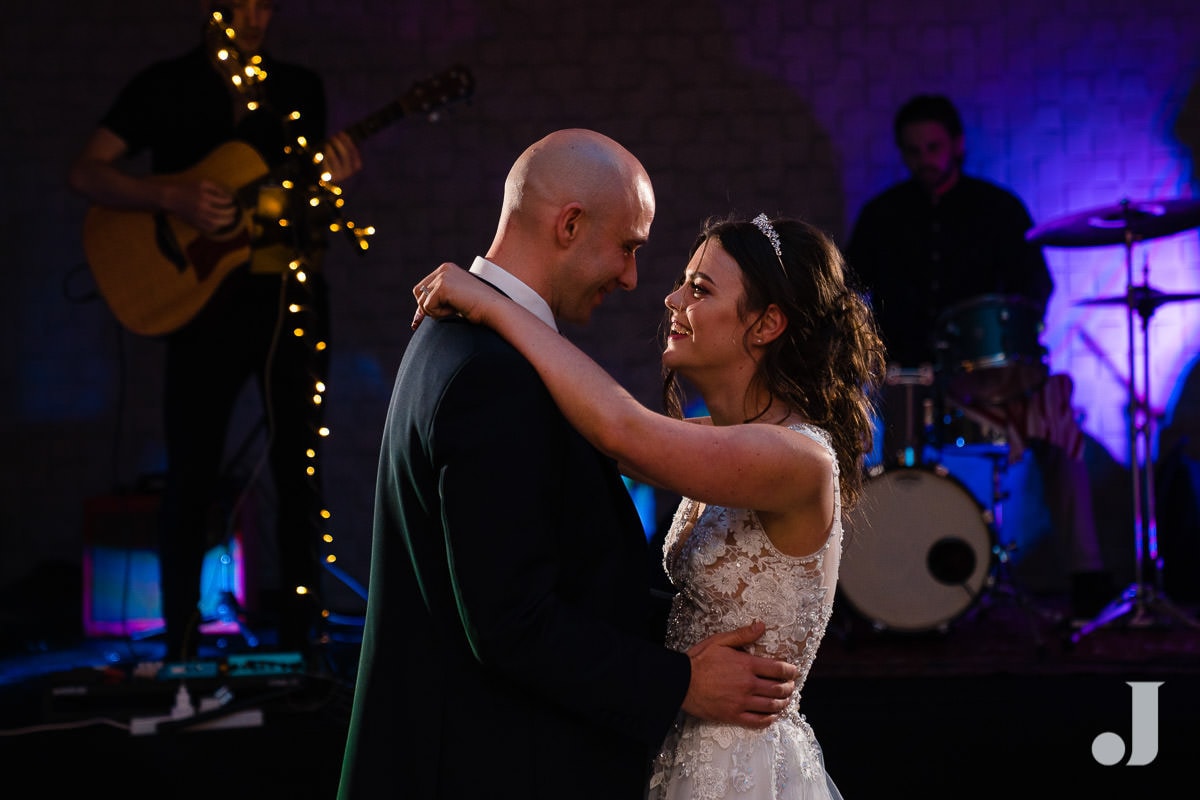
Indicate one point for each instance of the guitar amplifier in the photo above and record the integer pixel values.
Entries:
(120, 568)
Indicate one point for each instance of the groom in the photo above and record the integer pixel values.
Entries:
(508, 648)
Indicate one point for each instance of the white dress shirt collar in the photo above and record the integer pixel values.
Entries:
(515, 288)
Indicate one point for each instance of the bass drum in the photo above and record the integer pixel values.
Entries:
(918, 551)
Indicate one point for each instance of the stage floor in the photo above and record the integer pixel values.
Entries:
(1000, 703)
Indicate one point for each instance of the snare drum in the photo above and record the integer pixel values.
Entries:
(919, 551)
(989, 349)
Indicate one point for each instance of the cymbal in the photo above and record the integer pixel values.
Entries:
(1144, 298)
(1143, 219)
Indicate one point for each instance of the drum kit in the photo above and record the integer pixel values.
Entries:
(905, 573)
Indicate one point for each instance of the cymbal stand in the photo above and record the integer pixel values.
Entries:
(1140, 599)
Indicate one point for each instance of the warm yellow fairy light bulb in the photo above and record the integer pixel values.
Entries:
(326, 176)
(320, 386)
(295, 115)
(318, 157)
(323, 432)
(310, 453)
(298, 332)
(300, 276)
(325, 513)
(316, 400)
(301, 590)
(287, 184)
(319, 346)
(334, 227)
(222, 54)
(327, 538)
(300, 140)
(329, 559)
(294, 308)
(311, 471)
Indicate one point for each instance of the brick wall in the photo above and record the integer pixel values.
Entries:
(742, 105)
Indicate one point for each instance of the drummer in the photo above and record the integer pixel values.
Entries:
(930, 244)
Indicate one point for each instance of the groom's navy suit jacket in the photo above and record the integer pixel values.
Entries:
(508, 647)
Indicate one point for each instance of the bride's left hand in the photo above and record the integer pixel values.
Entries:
(448, 290)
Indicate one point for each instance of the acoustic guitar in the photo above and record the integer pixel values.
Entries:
(156, 272)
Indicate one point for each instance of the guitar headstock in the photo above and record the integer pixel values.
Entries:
(432, 94)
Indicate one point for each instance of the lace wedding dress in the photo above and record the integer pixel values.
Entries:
(728, 574)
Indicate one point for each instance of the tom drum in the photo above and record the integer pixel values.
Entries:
(989, 349)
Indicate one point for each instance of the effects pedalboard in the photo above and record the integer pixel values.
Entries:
(169, 697)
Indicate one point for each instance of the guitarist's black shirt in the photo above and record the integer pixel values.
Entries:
(180, 110)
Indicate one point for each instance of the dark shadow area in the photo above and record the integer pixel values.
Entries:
(996, 704)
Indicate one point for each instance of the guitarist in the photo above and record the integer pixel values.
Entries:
(178, 111)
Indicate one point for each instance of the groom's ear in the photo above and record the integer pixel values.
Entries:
(567, 225)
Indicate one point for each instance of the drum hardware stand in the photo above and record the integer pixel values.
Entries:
(1005, 581)
(912, 451)
(1140, 599)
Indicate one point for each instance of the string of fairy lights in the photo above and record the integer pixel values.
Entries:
(246, 79)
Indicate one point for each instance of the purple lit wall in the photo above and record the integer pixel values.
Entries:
(1074, 106)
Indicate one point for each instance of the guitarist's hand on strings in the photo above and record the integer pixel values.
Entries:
(203, 204)
(342, 158)
(200, 202)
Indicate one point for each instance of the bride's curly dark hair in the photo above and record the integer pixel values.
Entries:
(830, 362)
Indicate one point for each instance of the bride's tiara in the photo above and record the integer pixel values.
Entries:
(763, 223)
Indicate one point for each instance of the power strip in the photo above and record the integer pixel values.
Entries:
(211, 716)
(247, 718)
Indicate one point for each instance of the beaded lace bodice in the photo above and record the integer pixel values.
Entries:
(727, 574)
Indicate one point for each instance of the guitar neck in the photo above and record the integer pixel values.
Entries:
(376, 122)
(424, 97)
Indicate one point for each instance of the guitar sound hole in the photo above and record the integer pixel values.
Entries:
(164, 237)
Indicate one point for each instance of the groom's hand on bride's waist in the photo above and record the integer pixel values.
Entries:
(730, 685)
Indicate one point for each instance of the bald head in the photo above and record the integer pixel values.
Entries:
(572, 168)
(570, 165)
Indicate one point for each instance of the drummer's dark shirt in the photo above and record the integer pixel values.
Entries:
(917, 259)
